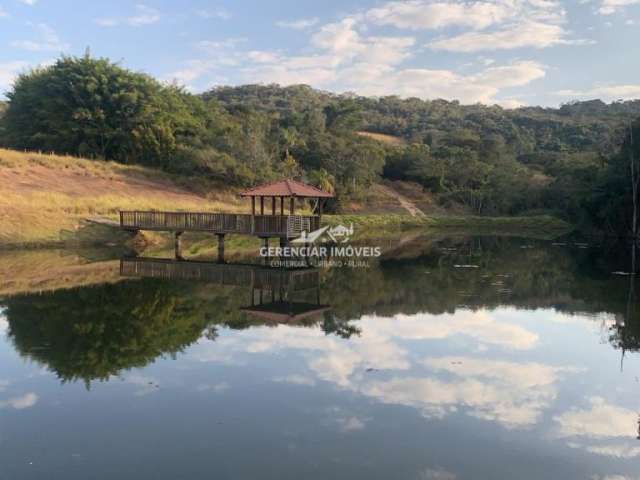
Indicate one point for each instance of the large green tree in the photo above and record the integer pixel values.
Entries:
(95, 108)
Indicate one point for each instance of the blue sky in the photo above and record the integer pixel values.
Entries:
(510, 52)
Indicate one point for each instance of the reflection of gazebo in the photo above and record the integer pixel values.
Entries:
(282, 189)
(275, 303)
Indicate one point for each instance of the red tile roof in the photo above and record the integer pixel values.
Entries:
(285, 188)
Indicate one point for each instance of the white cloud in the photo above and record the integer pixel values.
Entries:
(608, 7)
(525, 34)
(486, 25)
(144, 15)
(21, 402)
(605, 92)
(300, 24)
(426, 14)
(344, 57)
(600, 420)
(47, 41)
(31, 3)
(3, 13)
(219, 13)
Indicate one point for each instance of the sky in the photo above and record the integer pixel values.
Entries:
(506, 52)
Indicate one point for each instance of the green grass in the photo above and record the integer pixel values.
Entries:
(382, 226)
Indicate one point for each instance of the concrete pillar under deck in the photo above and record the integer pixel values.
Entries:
(220, 247)
(178, 244)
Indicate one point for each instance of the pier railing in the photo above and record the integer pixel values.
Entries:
(223, 223)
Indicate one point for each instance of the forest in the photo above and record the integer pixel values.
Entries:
(573, 162)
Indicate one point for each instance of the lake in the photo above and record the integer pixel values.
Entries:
(445, 359)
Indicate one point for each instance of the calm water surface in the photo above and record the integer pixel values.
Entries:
(448, 359)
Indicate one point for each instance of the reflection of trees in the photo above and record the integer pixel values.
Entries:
(566, 277)
(95, 332)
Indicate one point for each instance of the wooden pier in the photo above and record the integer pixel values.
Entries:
(284, 227)
(281, 226)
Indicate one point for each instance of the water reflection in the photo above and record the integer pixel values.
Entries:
(458, 358)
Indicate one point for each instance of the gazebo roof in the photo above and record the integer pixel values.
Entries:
(286, 188)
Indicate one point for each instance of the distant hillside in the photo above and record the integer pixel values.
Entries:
(576, 127)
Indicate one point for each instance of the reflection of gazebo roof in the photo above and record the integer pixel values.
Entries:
(286, 188)
(285, 312)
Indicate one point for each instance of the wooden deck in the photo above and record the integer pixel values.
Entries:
(284, 226)
(239, 275)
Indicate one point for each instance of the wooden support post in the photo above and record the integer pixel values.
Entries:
(178, 244)
(265, 245)
(253, 206)
(282, 206)
(273, 206)
(292, 207)
(319, 209)
(261, 205)
(220, 247)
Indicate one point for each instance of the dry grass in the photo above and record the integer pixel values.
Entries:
(43, 197)
(381, 137)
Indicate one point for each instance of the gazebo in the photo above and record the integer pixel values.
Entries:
(281, 190)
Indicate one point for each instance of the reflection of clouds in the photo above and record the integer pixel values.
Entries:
(437, 474)
(622, 450)
(3, 385)
(513, 394)
(345, 421)
(215, 388)
(148, 384)
(614, 477)
(600, 420)
(24, 401)
(295, 380)
(351, 424)
(480, 325)
(4, 324)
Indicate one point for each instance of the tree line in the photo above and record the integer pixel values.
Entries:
(571, 161)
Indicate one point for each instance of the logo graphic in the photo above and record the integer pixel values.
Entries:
(337, 234)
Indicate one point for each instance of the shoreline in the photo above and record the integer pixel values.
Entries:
(367, 227)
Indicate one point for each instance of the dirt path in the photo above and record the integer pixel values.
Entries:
(407, 204)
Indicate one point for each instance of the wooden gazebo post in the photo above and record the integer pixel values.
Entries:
(283, 189)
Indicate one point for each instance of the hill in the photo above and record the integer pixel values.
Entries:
(49, 198)
(479, 160)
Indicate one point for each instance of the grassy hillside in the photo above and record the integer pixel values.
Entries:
(47, 199)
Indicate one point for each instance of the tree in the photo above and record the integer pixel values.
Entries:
(94, 108)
